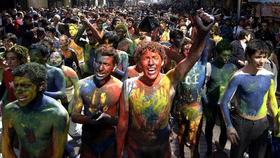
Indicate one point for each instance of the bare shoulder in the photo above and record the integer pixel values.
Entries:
(54, 107)
(115, 82)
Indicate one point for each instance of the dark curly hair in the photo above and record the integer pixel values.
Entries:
(20, 51)
(37, 73)
(152, 46)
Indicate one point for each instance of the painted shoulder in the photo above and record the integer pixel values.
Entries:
(117, 81)
(86, 81)
(56, 106)
(262, 72)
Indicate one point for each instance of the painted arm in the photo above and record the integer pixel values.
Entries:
(273, 107)
(59, 133)
(78, 104)
(97, 34)
(75, 81)
(196, 50)
(229, 93)
(7, 138)
(122, 122)
(60, 85)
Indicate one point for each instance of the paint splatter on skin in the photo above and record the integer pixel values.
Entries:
(253, 96)
(39, 122)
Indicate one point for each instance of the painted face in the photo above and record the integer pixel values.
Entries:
(104, 66)
(73, 29)
(258, 60)
(12, 60)
(25, 90)
(36, 56)
(120, 33)
(151, 64)
(225, 55)
(55, 59)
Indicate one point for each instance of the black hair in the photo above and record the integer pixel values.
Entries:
(243, 33)
(255, 46)
(110, 36)
(51, 29)
(223, 45)
(174, 33)
(10, 37)
(37, 73)
(44, 50)
(108, 51)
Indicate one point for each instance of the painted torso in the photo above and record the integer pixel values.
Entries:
(189, 90)
(251, 91)
(103, 99)
(218, 81)
(33, 126)
(54, 74)
(149, 109)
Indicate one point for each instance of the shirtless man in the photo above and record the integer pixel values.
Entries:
(39, 122)
(146, 100)
(55, 78)
(254, 87)
(98, 95)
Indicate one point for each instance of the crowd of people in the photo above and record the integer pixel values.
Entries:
(126, 82)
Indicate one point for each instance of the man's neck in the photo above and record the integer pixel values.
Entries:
(36, 102)
(150, 82)
(102, 82)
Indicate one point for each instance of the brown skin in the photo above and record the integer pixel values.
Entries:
(147, 80)
(103, 92)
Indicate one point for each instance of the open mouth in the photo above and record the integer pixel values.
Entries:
(152, 71)
(22, 98)
(100, 75)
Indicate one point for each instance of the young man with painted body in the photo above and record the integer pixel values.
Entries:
(39, 122)
(254, 87)
(188, 106)
(146, 100)
(99, 95)
(220, 72)
(55, 78)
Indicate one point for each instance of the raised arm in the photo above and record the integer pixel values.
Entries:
(97, 34)
(198, 45)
